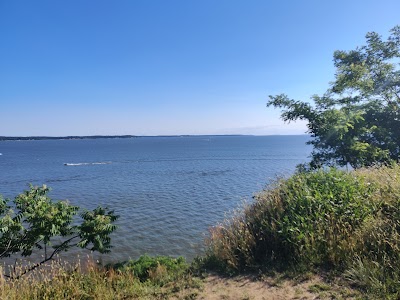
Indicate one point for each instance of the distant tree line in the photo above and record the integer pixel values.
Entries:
(70, 137)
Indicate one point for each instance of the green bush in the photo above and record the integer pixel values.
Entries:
(327, 218)
(158, 269)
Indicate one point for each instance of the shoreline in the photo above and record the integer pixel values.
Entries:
(93, 137)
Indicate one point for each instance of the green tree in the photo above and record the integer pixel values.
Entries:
(357, 121)
(35, 222)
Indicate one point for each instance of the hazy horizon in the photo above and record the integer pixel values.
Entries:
(132, 135)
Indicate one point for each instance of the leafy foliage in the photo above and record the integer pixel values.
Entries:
(35, 222)
(357, 121)
(348, 222)
(158, 269)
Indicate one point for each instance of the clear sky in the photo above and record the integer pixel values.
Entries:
(81, 67)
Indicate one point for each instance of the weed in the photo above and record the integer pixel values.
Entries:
(319, 287)
(62, 280)
(343, 222)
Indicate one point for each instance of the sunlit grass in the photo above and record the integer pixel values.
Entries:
(63, 280)
(347, 222)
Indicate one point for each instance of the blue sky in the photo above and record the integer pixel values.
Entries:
(170, 67)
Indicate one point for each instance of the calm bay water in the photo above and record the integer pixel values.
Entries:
(167, 190)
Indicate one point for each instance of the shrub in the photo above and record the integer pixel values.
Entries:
(327, 218)
(34, 223)
(158, 269)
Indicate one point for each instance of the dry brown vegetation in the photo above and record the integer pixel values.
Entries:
(344, 222)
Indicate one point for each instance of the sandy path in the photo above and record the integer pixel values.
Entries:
(271, 288)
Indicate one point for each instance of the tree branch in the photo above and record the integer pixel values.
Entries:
(7, 248)
(56, 250)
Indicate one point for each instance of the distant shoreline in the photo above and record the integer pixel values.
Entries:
(92, 137)
(83, 137)
(72, 137)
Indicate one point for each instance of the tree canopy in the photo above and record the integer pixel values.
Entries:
(357, 121)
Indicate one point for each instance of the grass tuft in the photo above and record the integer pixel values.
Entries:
(346, 222)
(157, 278)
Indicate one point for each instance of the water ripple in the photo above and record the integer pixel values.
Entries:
(167, 191)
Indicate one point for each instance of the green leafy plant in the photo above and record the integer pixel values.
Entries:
(158, 269)
(346, 222)
(36, 223)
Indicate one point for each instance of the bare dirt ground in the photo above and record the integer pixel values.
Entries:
(272, 288)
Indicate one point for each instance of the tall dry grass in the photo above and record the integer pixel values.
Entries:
(63, 280)
(343, 221)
